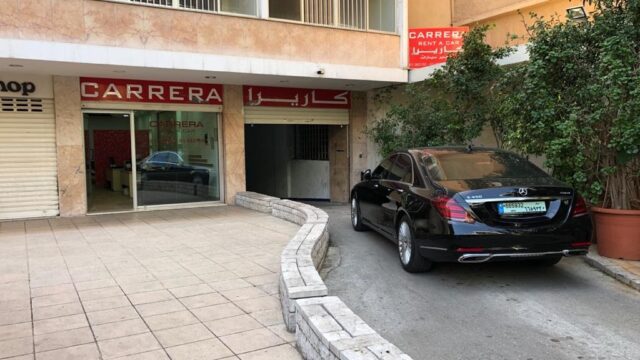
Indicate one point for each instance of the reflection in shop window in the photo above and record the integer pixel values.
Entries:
(183, 161)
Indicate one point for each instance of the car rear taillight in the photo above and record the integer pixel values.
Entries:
(449, 209)
(580, 207)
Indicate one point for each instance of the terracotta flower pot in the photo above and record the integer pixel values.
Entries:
(617, 233)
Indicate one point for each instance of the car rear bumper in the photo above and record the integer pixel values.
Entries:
(484, 257)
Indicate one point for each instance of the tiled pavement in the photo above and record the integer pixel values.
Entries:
(178, 284)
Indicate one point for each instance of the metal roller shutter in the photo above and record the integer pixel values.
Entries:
(28, 167)
(284, 116)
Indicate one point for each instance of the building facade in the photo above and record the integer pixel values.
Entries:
(144, 104)
(128, 105)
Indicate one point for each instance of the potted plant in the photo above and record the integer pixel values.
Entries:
(579, 105)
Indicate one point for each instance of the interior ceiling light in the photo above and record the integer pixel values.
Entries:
(210, 77)
(119, 71)
(577, 13)
(16, 65)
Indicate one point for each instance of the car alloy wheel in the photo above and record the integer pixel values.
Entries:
(356, 219)
(404, 243)
(354, 212)
(410, 258)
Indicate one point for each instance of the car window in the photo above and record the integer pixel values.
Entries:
(456, 165)
(159, 157)
(382, 171)
(402, 169)
(173, 158)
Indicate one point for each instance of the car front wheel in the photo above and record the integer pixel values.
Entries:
(410, 259)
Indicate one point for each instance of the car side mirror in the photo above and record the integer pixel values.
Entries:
(365, 175)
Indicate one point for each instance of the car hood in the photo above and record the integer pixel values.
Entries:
(454, 186)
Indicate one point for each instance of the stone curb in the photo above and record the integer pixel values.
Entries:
(612, 269)
(325, 327)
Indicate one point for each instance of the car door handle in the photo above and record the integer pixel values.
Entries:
(376, 185)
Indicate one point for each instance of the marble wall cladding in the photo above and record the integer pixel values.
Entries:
(357, 135)
(339, 163)
(136, 26)
(233, 142)
(70, 146)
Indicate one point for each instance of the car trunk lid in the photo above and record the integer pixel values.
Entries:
(514, 202)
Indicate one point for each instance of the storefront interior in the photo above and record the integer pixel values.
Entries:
(289, 161)
(172, 158)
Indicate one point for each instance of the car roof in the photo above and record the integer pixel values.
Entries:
(435, 150)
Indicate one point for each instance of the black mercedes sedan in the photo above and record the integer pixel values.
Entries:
(470, 205)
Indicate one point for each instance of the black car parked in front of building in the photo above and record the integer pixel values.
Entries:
(470, 205)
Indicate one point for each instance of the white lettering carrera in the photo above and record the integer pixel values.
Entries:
(89, 90)
(213, 95)
(134, 90)
(174, 93)
(112, 90)
(195, 95)
(157, 91)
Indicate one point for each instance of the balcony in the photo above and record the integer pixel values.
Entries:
(365, 15)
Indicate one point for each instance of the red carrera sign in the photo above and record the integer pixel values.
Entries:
(434, 45)
(121, 90)
(296, 98)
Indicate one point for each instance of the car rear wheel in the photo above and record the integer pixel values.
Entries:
(410, 258)
(356, 217)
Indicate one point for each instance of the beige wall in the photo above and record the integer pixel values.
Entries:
(70, 146)
(137, 26)
(429, 13)
(233, 142)
(512, 19)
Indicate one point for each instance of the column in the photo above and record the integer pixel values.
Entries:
(72, 192)
(233, 142)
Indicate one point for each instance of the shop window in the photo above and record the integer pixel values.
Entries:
(246, 7)
(180, 161)
(312, 142)
(382, 15)
(285, 9)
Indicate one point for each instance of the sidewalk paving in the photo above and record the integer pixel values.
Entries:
(180, 284)
(627, 272)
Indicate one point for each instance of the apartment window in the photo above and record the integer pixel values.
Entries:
(206, 5)
(155, 2)
(353, 14)
(247, 7)
(318, 12)
(285, 9)
(382, 15)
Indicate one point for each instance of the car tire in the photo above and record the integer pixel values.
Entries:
(410, 257)
(356, 216)
(548, 261)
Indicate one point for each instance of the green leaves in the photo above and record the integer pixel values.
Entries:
(453, 106)
(580, 100)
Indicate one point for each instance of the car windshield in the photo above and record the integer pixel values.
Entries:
(445, 165)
